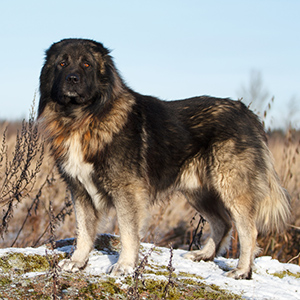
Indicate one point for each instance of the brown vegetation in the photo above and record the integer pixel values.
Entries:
(33, 198)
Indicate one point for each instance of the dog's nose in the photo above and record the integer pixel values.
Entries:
(72, 78)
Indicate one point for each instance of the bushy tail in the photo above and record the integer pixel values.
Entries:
(274, 211)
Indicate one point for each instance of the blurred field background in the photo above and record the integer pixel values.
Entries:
(32, 193)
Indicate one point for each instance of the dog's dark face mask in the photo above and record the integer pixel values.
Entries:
(75, 78)
(77, 73)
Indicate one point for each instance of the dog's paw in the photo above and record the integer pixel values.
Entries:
(71, 266)
(120, 270)
(189, 255)
(198, 255)
(239, 274)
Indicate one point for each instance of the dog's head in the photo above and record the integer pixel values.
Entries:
(77, 72)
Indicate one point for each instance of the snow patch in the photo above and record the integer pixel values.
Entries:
(266, 284)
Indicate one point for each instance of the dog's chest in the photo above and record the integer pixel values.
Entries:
(76, 167)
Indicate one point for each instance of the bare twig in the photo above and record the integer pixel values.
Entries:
(53, 259)
(60, 217)
(133, 292)
(197, 236)
(170, 278)
(292, 259)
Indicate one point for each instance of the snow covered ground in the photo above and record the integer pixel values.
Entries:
(264, 285)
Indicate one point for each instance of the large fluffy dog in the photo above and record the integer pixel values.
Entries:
(117, 148)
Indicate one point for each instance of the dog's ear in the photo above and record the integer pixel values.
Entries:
(99, 48)
(102, 56)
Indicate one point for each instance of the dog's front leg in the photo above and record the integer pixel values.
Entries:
(86, 221)
(130, 218)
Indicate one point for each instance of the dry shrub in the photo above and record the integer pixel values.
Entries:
(19, 166)
(27, 184)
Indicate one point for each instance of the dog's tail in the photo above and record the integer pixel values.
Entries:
(274, 211)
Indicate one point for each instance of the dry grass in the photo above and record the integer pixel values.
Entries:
(172, 223)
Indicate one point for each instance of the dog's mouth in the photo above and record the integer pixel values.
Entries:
(72, 97)
(71, 94)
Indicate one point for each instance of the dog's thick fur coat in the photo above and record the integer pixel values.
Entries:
(117, 148)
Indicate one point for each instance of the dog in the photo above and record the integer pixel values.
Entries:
(117, 148)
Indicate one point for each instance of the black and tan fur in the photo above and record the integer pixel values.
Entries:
(117, 148)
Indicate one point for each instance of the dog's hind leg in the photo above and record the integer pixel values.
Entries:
(246, 228)
(209, 205)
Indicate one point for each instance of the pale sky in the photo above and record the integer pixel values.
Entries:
(167, 48)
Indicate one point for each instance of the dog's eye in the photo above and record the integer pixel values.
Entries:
(62, 64)
(86, 65)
